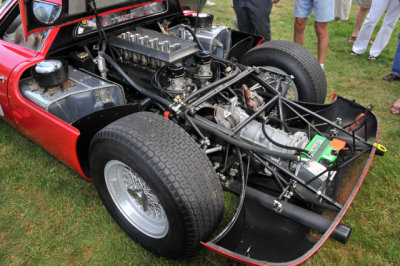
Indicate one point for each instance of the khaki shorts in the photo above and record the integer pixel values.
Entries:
(363, 3)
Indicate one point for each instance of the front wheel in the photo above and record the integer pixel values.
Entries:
(289, 68)
(156, 183)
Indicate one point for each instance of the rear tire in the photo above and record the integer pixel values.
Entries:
(292, 60)
(156, 183)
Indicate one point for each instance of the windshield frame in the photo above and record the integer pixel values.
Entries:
(4, 6)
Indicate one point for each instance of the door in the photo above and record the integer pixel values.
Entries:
(13, 51)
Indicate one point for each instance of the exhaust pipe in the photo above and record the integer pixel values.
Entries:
(304, 217)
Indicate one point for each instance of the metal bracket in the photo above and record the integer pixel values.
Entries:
(278, 206)
(287, 194)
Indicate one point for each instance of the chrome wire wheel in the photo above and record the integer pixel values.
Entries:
(281, 81)
(135, 199)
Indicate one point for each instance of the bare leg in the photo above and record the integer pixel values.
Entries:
(299, 27)
(359, 20)
(321, 28)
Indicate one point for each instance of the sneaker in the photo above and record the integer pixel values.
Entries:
(209, 3)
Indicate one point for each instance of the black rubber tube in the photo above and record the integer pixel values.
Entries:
(139, 89)
(275, 119)
(300, 215)
(194, 37)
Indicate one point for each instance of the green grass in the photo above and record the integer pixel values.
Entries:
(50, 215)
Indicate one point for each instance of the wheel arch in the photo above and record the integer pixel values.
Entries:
(89, 125)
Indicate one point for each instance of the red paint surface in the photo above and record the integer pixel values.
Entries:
(189, 12)
(23, 18)
(54, 135)
(11, 55)
(262, 39)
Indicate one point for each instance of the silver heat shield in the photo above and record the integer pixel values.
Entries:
(82, 94)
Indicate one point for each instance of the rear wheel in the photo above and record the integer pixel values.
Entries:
(289, 68)
(156, 183)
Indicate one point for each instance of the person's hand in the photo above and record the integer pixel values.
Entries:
(277, 1)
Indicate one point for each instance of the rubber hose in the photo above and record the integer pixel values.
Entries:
(279, 144)
(132, 83)
(194, 36)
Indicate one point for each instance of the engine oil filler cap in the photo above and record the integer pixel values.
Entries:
(48, 66)
(50, 73)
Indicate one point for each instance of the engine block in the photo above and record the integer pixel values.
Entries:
(151, 48)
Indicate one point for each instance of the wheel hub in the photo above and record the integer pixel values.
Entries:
(135, 199)
(140, 198)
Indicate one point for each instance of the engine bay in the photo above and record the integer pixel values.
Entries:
(239, 115)
(177, 65)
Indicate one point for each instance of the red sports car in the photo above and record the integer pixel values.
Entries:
(164, 110)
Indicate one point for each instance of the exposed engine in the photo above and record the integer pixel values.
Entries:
(176, 65)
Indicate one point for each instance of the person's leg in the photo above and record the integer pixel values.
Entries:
(396, 61)
(302, 10)
(243, 20)
(321, 28)
(299, 27)
(359, 20)
(323, 11)
(391, 17)
(395, 75)
(338, 9)
(259, 12)
(346, 9)
(377, 9)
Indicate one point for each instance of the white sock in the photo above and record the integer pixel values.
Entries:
(322, 65)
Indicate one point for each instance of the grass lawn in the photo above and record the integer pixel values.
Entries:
(50, 215)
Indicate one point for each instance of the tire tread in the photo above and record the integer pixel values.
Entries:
(181, 165)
